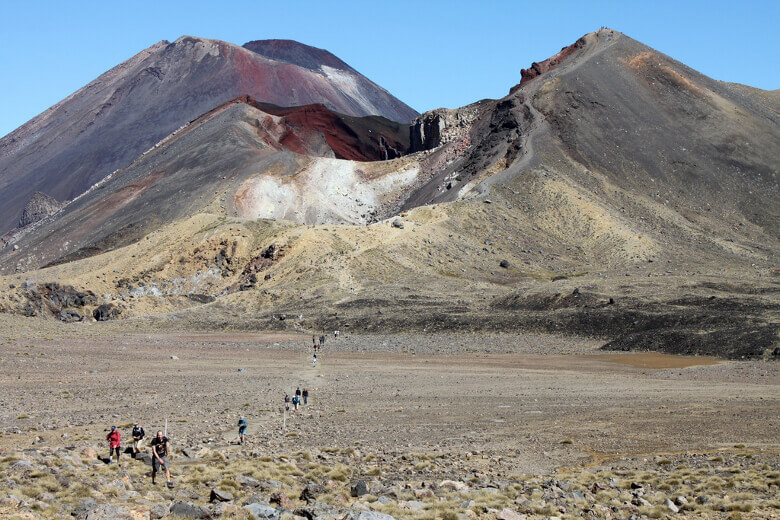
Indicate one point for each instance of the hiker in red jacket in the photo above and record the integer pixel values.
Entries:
(114, 439)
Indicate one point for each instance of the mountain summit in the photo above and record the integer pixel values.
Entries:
(126, 111)
(614, 193)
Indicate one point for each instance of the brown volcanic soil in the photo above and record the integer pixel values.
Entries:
(409, 392)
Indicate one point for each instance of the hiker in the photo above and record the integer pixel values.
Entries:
(160, 457)
(314, 361)
(138, 438)
(287, 402)
(305, 395)
(336, 334)
(241, 429)
(114, 439)
(314, 341)
(296, 400)
(322, 340)
(298, 392)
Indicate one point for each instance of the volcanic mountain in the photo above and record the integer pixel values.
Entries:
(614, 193)
(124, 112)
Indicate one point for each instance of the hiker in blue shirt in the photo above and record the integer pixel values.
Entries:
(241, 429)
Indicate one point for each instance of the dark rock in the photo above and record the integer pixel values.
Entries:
(70, 316)
(505, 264)
(201, 298)
(106, 311)
(218, 495)
(312, 491)
(282, 501)
(358, 488)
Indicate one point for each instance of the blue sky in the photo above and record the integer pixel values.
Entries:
(427, 53)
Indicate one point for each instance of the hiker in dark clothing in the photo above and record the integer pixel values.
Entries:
(114, 439)
(287, 402)
(298, 392)
(305, 395)
(160, 457)
(138, 437)
(296, 400)
(322, 341)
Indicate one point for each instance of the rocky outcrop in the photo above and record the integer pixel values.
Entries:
(38, 208)
(537, 69)
(441, 126)
(425, 132)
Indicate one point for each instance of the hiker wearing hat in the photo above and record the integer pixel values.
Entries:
(114, 439)
(138, 438)
(160, 457)
(241, 429)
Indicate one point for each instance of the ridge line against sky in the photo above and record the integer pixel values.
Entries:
(428, 54)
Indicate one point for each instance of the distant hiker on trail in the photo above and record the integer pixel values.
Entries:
(296, 400)
(287, 402)
(305, 395)
(298, 392)
(314, 361)
(314, 341)
(241, 429)
(322, 341)
(336, 334)
(138, 438)
(160, 457)
(114, 439)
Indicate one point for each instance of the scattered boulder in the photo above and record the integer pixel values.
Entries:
(358, 488)
(670, 506)
(106, 311)
(158, 511)
(188, 510)
(218, 495)
(398, 223)
(246, 481)
(101, 512)
(508, 514)
(312, 491)
(505, 264)
(262, 512)
(282, 501)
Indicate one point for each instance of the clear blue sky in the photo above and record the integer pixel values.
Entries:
(427, 53)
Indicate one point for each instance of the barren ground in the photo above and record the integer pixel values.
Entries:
(491, 405)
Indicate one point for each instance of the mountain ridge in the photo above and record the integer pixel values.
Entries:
(617, 194)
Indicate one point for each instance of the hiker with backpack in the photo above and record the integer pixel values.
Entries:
(305, 395)
(241, 429)
(296, 401)
(286, 402)
(160, 457)
(114, 439)
(138, 437)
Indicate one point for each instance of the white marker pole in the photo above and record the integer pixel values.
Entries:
(284, 419)
(166, 427)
